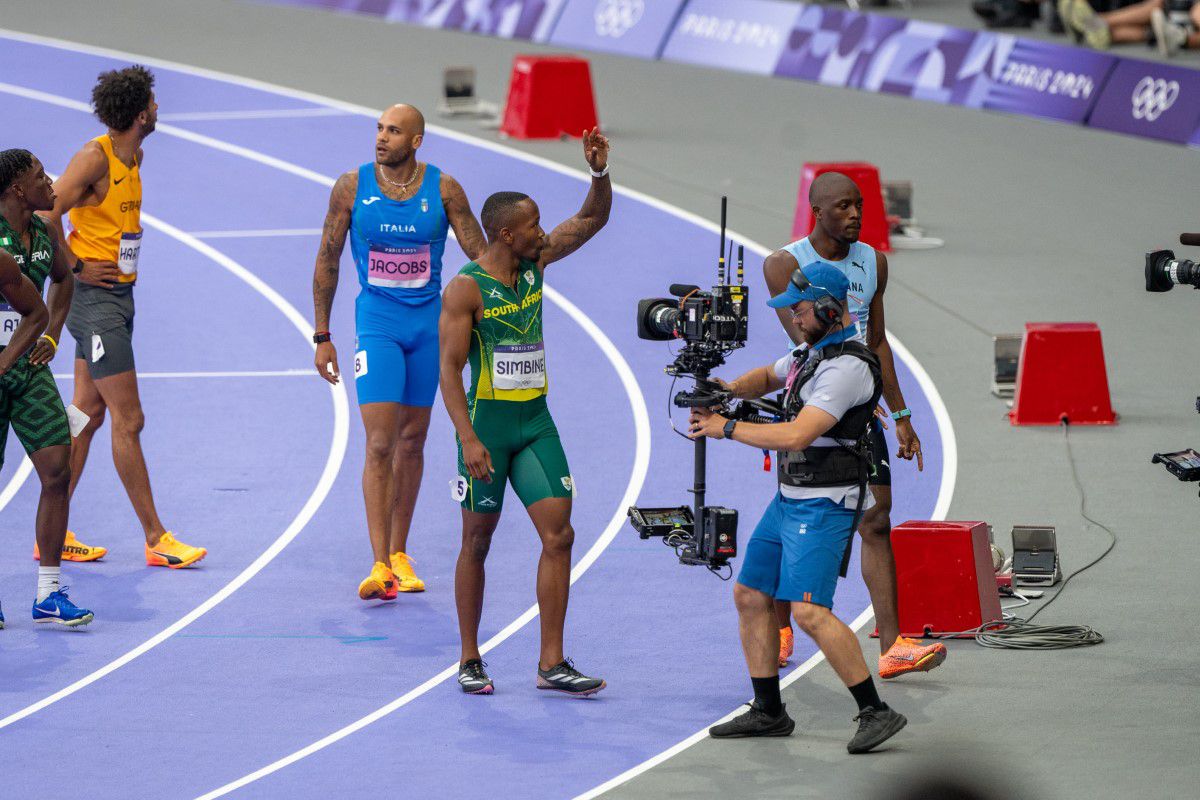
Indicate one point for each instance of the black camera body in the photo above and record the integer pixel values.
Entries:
(1164, 271)
(719, 317)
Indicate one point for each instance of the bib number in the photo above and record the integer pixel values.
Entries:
(131, 248)
(9, 320)
(519, 366)
(399, 267)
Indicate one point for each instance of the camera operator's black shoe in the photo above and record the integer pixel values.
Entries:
(755, 722)
(474, 679)
(568, 680)
(874, 728)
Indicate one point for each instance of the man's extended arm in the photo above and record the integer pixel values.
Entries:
(777, 269)
(795, 434)
(325, 272)
(58, 301)
(462, 220)
(460, 301)
(20, 293)
(910, 445)
(571, 234)
(756, 383)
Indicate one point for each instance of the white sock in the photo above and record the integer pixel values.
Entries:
(47, 581)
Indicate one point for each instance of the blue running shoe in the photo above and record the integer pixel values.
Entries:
(58, 608)
(1, 619)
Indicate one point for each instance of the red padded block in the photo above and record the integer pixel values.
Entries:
(874, 219)
(1061, 371)
(549, 96)
(945, 582)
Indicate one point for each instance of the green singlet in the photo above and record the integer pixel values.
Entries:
(29, 399)
(507, 398)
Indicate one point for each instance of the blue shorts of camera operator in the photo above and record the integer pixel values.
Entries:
(796, 551)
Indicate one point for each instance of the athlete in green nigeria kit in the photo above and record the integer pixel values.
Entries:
(29, 399)
(492, 316)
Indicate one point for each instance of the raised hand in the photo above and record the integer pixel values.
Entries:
(595, 149)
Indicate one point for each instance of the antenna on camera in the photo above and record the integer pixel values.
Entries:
(741, 265)
(721, 252)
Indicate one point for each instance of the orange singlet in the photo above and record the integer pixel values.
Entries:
(112, 230)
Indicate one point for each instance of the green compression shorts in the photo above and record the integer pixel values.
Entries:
(525, 448)
(30, 403)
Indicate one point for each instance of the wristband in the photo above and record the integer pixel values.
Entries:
(599, 174)
(50, 339)
(728, 429)
(901, 414)
(320, 337)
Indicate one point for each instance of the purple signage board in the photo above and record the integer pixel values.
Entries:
(1046, 80)
(626, 27)
(747, 36)
(506, 19)
(1152, 100)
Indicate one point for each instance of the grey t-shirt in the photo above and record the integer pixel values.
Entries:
(839, 384)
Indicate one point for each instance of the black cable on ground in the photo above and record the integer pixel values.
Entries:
(1020, 634)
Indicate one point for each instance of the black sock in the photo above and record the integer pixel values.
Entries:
(766, 695)
(865, 695)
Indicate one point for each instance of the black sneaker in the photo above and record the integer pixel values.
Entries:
(473, 679)
(875, 727)
(568, 680)
(755, 722)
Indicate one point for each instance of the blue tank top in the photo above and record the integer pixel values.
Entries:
(858, 267)
(398, 245)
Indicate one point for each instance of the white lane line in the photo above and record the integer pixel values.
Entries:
(941, 415)
(265, 233)
(179, 133)
(333, 463)
(269, 373)
(279, 113)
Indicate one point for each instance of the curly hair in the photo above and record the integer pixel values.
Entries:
(122, 94)
(13, 164)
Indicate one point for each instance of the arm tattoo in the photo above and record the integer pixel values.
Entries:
(333, 240)
(571, 234)
(458, 212)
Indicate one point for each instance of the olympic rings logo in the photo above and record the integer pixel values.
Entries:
(1152, 97)
(615, 17)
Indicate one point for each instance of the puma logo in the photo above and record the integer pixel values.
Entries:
(860, 266)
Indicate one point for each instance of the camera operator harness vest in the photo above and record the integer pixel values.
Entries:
(849, 461)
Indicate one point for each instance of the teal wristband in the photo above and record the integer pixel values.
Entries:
(901, 414)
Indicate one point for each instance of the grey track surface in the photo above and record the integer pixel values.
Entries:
(1041, 222)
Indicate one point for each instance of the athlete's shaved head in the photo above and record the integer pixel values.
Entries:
(828, 187)
(411, 117)
(500, 211)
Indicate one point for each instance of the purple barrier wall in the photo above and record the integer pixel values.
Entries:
(838, 47)
(506, 19)
(625, 27)
(745, 35)
(1152, 100)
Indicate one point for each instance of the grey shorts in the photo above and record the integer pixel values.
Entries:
(108, 315)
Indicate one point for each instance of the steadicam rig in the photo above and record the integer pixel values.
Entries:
(711, 325)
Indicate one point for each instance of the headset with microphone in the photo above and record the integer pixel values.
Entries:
(827, 309)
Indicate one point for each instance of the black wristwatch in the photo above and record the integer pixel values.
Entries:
(728, 429)
(321, 337)
(78, 268)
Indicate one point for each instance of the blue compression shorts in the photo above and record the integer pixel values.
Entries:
(396, 351)
(796, 551)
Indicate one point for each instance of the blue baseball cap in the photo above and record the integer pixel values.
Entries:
(822, 278)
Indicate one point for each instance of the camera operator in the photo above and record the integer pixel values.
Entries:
(833, 382)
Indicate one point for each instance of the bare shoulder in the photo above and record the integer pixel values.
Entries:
(461, 294)
(780, 259)
(344, 189)
(91, 162)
